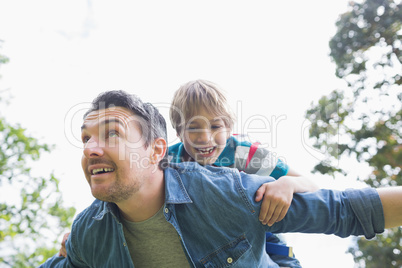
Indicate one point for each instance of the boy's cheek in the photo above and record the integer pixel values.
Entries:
(227, 133)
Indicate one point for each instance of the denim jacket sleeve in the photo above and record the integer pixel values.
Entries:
(97, 225)
(72, 259)
(59, 262)
(55, 261)
(343, 213)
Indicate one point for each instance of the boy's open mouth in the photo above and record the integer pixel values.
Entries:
(206, 151)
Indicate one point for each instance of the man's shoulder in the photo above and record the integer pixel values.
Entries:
(194, 167)
(194, 172)
(190, 175)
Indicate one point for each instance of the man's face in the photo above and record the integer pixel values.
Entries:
(115, 161)
(204, 137)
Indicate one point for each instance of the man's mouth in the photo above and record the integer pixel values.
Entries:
(97, 171)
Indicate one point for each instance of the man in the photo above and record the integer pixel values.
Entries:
(150, 215)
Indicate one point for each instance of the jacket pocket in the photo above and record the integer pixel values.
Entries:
(229, 255)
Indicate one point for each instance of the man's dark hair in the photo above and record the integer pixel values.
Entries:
(153, 125)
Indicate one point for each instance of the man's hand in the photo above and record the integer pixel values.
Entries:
(276, 199)
(63, 251)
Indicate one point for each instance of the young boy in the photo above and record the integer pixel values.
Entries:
(203, 121)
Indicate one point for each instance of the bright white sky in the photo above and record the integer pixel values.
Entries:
(270, 56)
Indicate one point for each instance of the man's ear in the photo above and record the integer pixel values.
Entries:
(159, 150)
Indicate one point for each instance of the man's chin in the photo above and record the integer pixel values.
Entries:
(100, 193)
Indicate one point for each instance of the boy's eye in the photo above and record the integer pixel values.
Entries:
(192, 127)
(216, 126)
(113, 134)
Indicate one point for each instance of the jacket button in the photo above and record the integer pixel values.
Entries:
(166, 210)
(229, 260)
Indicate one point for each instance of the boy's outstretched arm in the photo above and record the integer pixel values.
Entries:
(301, 184)
(277, 196)
(391, 199)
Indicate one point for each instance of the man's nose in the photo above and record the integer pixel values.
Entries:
(93, 148)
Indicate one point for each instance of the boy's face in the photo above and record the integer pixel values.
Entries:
(204, 137)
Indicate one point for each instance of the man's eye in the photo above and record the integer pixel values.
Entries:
(85, 139)
(216, 126)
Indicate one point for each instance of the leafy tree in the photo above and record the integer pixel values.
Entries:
(31, 208)
(363, 122)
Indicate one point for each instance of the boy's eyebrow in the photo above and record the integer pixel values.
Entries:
(216, 119)
(105, 122)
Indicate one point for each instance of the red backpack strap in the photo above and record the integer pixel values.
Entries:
(253, 149)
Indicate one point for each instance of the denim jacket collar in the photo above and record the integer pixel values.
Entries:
(175, 191)
(107, 207)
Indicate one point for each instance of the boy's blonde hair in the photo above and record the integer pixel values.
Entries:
(195, 95)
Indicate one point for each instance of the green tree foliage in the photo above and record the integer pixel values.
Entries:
(364, 122)
(31, 208)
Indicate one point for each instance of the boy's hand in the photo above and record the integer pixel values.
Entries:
(63, 251)
(276, 199)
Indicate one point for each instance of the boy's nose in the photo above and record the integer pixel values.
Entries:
(204, 136)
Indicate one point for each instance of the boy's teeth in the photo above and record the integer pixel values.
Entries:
(206, 151)
(101, 170)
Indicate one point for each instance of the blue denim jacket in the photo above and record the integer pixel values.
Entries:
(214, 212)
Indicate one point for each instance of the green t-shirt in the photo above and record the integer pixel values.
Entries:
(154, 243)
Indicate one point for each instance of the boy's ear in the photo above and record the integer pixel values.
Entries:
(159, 148)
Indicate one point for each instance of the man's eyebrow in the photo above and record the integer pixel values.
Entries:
(105, 122)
